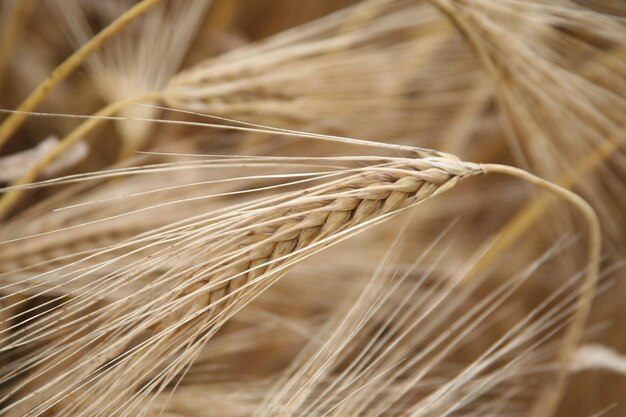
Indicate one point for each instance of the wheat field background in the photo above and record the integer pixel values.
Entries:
(312, 208)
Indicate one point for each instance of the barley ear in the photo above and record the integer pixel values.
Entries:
(548, 401)
(68, 66)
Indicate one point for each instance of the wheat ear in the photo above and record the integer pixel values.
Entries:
(229, 258)
(68, 66)
(264, 245)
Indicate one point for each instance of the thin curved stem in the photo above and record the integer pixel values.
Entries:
(15, 120)
(528, 215)
(548, 401)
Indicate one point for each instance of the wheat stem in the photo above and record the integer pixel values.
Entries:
(549, 400)
(528, 215)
